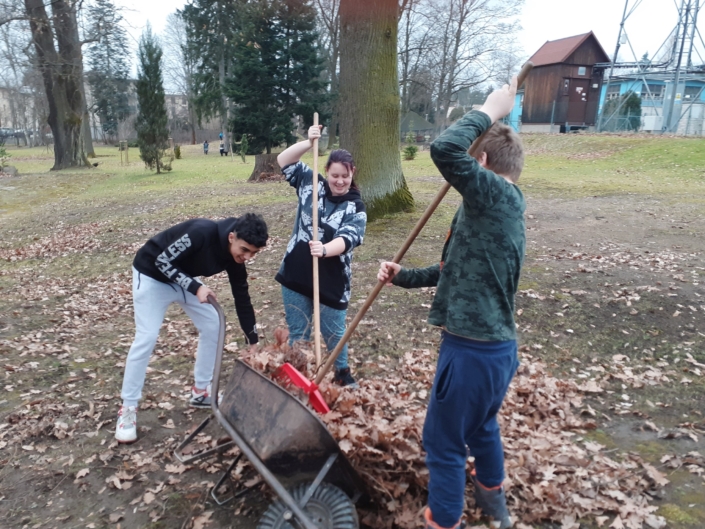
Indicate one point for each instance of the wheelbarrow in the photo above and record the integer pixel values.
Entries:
(287, 444)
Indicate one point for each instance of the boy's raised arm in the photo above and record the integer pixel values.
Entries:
(500, 102)
(450, 150)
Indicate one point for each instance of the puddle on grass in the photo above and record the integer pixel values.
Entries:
(682, 501)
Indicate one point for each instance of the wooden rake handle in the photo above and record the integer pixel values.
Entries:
(314, 233)
(523, 74)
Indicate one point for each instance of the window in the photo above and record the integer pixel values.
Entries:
(656, 92)
(613, 91)
(581, 70)
(693, 93)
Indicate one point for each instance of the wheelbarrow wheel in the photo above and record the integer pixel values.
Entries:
(328, 508)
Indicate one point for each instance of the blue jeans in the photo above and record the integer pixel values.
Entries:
(299, 318)
(471, 380)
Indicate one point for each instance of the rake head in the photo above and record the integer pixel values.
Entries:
(289, 375)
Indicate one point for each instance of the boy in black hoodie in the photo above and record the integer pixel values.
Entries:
(164, 272)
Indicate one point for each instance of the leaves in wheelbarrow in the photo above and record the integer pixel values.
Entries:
(553, 472)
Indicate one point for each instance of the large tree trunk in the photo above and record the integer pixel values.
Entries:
(266, 168)
(333, 128)
(192, 119)
(369, 103)
(87, 136)
(86, 126)
(62, 73)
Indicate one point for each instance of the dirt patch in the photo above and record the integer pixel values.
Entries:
(613, 292)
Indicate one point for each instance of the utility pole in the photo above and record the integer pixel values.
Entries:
(675, 66)
(614, 60)
(693, 30)
(669, 126)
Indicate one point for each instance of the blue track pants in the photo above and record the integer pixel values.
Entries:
(471, 380)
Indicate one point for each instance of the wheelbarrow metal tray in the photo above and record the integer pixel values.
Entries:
(289, 438)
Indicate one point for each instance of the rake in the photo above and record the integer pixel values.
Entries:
(294, 376)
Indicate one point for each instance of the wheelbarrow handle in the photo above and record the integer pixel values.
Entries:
(523, 74)
(215, 383)
(242, 444)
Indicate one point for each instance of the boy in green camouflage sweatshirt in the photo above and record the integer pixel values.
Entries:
(476, 282)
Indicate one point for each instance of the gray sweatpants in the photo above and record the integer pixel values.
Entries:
(151, 299)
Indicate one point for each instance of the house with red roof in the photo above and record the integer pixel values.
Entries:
(563, 90)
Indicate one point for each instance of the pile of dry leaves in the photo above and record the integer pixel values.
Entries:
(553, 472)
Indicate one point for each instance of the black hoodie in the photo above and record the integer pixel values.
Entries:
(198, 247)
(339, 216)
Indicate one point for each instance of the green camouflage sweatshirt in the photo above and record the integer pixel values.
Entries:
(478, 275)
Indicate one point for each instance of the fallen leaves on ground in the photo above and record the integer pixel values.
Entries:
(553, 472)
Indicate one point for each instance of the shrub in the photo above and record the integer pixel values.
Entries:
(244, 144)
(177, 152)
(4, 155)
(410, 138)
(410, 152)
(622, 113)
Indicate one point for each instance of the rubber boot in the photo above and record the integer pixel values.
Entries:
(493, 503)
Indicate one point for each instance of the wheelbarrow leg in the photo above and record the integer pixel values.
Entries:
(187, 460)
(319, 479)
(226, 475)
(315, 484)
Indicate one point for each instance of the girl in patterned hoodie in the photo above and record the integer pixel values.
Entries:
(341, 228)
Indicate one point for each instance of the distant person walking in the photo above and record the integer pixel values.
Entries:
(205, 147)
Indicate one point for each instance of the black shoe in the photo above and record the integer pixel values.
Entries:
(343, 377)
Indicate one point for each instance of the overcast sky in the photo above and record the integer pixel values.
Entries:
(542, 20)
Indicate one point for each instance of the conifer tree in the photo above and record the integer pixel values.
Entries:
(108, 60)
(152, 133)
(276, 73)
(212, 26)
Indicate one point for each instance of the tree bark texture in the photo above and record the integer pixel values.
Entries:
(369, 103)
(62, 73)
(86, 125)
(329, 17)
(87, 136)
(333, 128)
(266, 168)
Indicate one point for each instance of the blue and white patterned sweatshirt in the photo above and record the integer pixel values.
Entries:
(338, 216)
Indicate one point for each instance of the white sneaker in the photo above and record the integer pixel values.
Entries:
(200, 398)
(126, 429)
